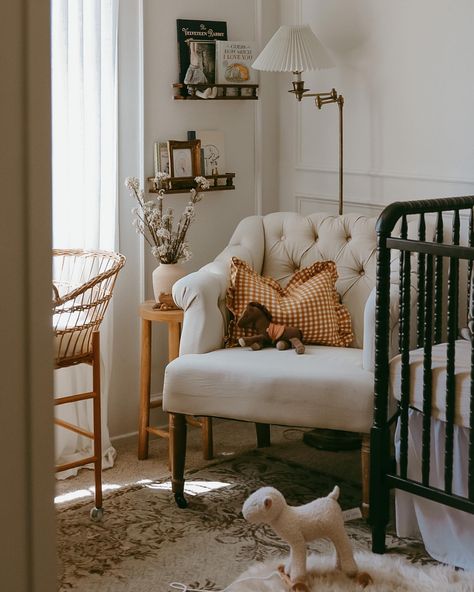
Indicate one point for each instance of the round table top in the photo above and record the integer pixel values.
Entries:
(147, 312)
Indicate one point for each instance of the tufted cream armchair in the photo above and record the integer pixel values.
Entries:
(327, 387)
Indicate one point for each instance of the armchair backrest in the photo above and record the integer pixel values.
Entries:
(291, 241)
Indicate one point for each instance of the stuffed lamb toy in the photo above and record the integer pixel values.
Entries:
(321, 518)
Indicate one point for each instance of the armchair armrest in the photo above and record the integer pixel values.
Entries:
(198, 294)
(202, 294)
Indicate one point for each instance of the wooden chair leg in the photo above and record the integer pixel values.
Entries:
(178, 430)
(207, 441)
(263, 434)
(365, 462)
(97, 512)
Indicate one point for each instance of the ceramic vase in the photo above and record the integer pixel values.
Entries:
(164, 276)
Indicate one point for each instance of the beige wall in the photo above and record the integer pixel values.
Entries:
(27, 560)
(404, 69)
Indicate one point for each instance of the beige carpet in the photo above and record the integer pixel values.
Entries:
(144, 542)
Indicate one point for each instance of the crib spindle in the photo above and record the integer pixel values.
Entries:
(405, 361)
(453, 294)
(470, 471)
(438, 307)
(470, 242)
(470, 308)
(403, 234)
(420, 309)
(427, 375)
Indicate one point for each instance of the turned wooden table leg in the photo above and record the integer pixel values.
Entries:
(145, 383)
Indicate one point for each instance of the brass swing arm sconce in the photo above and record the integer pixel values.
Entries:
(321, 99)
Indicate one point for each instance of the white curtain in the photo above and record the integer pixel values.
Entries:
(84, 115)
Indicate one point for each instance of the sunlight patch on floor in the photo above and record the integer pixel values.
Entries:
(72, 495)
(192, 487)
(82, 493)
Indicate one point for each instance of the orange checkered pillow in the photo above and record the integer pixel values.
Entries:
(309, 302)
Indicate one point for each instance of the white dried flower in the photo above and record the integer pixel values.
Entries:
(163, 233)
(167, 244)
(202, 182)
(132, 183)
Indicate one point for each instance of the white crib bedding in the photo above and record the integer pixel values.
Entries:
(462, 380)
(448, 534)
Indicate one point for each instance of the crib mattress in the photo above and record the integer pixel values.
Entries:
(438, 401)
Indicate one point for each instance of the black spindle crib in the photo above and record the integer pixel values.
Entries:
(434, 282)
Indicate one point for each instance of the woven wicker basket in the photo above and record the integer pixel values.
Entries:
(83, 282)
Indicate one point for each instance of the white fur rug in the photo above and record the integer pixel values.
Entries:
(390, 573)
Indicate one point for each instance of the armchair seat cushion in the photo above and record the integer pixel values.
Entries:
(326, 387)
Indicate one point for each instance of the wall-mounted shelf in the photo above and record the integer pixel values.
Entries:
(184, 184)
(226, 92)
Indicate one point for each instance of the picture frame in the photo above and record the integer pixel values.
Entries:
(161, 159)
(185, 161)
(212, 151)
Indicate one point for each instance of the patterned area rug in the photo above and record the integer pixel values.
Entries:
(145, 542)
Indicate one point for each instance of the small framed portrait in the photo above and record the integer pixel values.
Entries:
(185, 159)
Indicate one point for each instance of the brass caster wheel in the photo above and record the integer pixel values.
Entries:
(180, 500)
(96, 514)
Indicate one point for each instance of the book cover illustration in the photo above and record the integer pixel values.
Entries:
(197, 50)
(233, 62)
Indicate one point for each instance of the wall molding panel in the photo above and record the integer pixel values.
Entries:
(387, 174)
(307, 203)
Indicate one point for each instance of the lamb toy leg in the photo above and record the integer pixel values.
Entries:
(321, 518)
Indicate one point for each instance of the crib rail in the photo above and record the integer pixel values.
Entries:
(436, 263)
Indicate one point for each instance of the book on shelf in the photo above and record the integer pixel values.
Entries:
(197, 50)
(233, 62)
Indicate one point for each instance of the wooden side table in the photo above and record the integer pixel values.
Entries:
(174, 319)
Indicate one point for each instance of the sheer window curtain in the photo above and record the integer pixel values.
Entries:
(84, 115)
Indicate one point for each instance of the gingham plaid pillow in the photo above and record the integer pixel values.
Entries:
(309, 302)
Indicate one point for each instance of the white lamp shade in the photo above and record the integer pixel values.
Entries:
(293, 48)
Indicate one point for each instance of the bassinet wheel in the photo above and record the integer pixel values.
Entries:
(180, 500)
(97, 514)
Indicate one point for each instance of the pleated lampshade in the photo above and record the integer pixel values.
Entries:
(293, 48)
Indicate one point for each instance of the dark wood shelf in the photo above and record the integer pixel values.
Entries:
(184, 184)
(250, 93)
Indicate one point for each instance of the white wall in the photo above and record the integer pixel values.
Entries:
(148, 113)
(405, 70)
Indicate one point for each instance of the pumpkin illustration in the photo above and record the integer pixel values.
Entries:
(236, 73)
